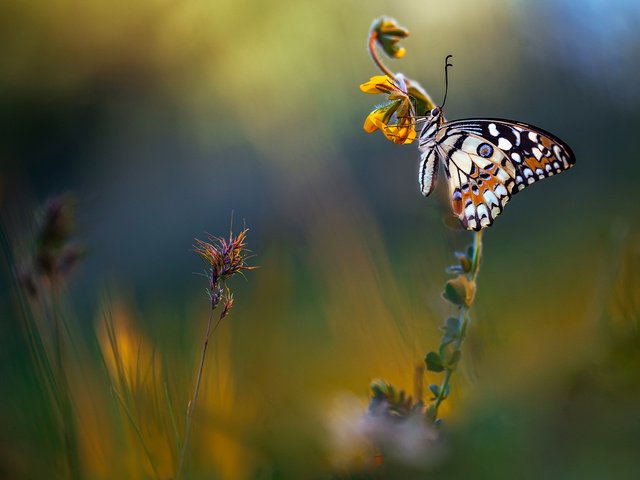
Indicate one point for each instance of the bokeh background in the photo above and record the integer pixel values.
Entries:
(167, 119)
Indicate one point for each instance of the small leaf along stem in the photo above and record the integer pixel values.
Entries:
(464, 319)
(373, 36)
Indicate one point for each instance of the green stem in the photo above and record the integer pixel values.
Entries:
(67, 420)
(376, 58)
(192, 404)
(464, 323)
(477, 256)
(444, 386)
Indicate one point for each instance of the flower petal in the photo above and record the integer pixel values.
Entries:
(400, 134)
(379, 84)
(388, 33)
(379, 118)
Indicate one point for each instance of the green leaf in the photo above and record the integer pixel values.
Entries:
(451, 331)
(453, 294)
(433, 362)
(464, 261)
(459, 291)
(423, 102)
(435, 389)
(453, 324)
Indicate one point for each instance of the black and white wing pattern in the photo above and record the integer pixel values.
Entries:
(487, 161)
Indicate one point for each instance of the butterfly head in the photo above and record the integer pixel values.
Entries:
(436, 112)
(436, 115)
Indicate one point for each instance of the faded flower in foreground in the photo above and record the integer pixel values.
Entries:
(396, 117)
(385, 435)
(225, 259)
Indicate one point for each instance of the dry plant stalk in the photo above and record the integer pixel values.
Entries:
(224, 259)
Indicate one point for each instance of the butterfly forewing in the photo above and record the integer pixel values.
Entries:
(487, 161)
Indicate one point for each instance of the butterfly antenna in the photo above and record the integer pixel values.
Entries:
(446, 78)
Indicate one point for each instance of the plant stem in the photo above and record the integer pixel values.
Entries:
(477, 255)
(138, 432)
(376, 59)
(464, 323)
(192, 403)
(444, 386)
(66, 411)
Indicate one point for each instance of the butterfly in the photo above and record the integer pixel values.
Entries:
(486, 161)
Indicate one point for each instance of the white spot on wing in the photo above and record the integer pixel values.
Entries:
(504, 144)
(502, 175)
(482, 212)
(490, 198)
(556, 151)
(501, 191)
(493, 130)
(470, 211)
(536, 153)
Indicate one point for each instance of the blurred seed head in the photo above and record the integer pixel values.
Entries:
(54, 254)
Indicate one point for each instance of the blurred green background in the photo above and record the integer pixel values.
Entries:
(163, 117)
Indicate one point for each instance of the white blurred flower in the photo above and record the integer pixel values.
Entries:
(358, 436)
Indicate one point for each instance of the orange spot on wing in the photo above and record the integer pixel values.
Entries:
(456, 206)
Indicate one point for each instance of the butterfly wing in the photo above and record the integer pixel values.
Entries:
(428, 171)
(488, 161)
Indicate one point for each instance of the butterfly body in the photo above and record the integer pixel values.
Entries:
(486, 162)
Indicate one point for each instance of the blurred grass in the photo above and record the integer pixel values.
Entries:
(165, 116)
(312, 329)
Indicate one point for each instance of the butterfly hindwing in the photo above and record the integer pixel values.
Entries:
(488, 161)
(479, 185)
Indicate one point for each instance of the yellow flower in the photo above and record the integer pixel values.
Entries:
(379, 84)
(387, 33)
(396, 118)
